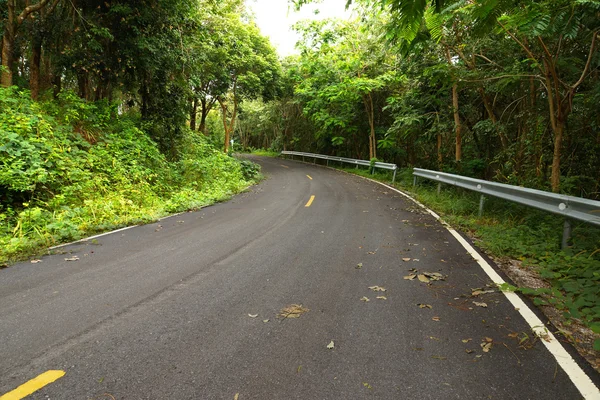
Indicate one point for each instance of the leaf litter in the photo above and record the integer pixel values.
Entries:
(331, 345)
(424, 306)
(478, 304)
(74, 258)
(293, 311)
(382, 297)
(377, 288)
(425, 277)
(365, 299)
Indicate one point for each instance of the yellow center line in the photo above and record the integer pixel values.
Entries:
(284, 166)
(309, 177)
(33, 385)
(312, 198)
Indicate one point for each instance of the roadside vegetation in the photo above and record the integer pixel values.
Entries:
(117, 113)
(60, 185)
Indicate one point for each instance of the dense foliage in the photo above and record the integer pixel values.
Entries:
(98, 110)
(492, 89)
(59, 184)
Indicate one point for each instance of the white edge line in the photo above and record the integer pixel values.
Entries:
(580, 379)
(111, 232)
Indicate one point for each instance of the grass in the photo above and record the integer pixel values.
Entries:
(265, 153)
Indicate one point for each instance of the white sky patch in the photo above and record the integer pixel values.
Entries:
(275, 19)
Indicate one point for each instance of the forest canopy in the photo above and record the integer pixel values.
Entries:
(494, 89)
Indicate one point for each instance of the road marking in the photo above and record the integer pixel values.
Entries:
(309, 177)
(580, 379)
(312, 198)
(284, 166)
(33, 385)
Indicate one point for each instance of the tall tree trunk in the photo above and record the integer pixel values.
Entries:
(193, 113)
(439, 150)
(558, 138)
(56, 83)
(34, 67)
(203, 114)
(7, 54)
(368, 101)
(457, 124)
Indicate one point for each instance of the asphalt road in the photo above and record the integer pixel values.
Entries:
(187, 308)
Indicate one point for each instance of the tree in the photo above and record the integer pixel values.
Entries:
(11, 29)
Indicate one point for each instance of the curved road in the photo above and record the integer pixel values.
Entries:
(187, 308)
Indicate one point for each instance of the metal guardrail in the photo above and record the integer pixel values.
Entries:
(364, 163)
(570, 207)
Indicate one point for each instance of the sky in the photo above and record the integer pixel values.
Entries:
(275, 20)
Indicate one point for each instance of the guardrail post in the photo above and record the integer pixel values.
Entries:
(302, 158)
(328, 162)
(394, 178)
(481, 200)
(566, 234)
(414, 181)
(439, 188)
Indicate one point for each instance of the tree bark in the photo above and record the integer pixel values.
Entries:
(10, 32)
(368, 101)
(193, 113)
(34, 66)
(457, 124)
(7, 53)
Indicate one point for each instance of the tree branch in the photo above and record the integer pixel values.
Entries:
(588, 63)
(529, 53)
(31, 9)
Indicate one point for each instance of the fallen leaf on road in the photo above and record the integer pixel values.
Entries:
(484, 305)
(370, 252)
(466, 340)
(236, 397)
(382, 297)
(489, 340)
(299, 369)
(36, 261)
(365, 299)
(479, 291)
(416, 259)
(265, 320)
(359, 266)
(423, 278)
(424, 306)
(434, 276)
(406, 259)
(436, 319)
(469, 351)
(513, 335)
(377, 288)
(293, 311)
(331, 345)
(434, 338)
(365, 384)
(439, 357)
(486, 347)
(74, 258)
(410, 277)
(253, 315)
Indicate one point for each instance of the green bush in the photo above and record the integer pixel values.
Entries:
(69, 168)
